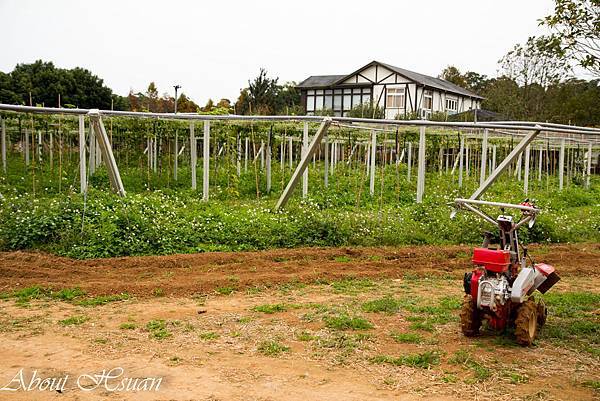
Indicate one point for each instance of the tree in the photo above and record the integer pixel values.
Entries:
(576, 32)
(452, 74)
(262, 92)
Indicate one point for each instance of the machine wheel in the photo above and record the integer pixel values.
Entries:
(470, 320)
(542, 313)
(526, 322)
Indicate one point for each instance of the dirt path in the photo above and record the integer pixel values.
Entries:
(272, 338)
(186, 275)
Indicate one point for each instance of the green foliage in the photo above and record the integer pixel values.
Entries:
(73, 321)
(272, 348)
(128, 326)
(424, 360)
(367, 110)
(343, 321)
(412, 338)
(273, 308)
(386, 305)
(158, 329)
(208, 336)
(103, 299)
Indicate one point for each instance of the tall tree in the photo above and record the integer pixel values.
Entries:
(576, 32)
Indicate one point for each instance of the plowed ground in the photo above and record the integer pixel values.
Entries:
(290, 325)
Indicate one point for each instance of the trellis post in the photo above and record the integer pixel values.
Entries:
(421, 169)
(193, 153)
(326, 163)
(26, 147)
(541, 154)
(461, 161)
(3, 126)
(561, 164)
(99, 132)
(176, 158)
(409, 162)
(268, 157)
(484, 152)
(246, 154)
(589, 166)
(289, 189)
(238, 156)
(304, 150)
(206, 160)
(372, 162)
(526, 178)
(82, 163)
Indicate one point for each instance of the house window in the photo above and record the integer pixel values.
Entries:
(395, 98)
(319, 104)
(347, 102)
(337, 102)
(427, 100)
(451, 104)
(310, 103)
(328, 101)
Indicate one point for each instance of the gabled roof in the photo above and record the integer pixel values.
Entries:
(426, 80)
(324, 81)
(319, 81)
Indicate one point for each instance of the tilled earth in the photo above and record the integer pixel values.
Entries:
(303, 324)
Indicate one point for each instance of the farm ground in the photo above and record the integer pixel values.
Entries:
(303, 324)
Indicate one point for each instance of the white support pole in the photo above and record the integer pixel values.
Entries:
(304, 150)
(155, 156)
(561, 164)
(461, 160)
(176, 155)
(326, 162)
(3, 127)
(106, 152)
(494, 158)
(409, 162)
(527, 161)
(541, 154)
(261, 151)
(332, 158)
(92, 146)
(193, 154)
(421, 162)
(519, 167)
(372, 161)
(291, 152)
(268, 161)
(518, 150)
(484, 152)
(468, 160)
(246, 155)
(238, 156)
(589, 166)
(39, 147)
(206, 160)
(287, 192)
(82, 163)
(282, 152)
(26, 147)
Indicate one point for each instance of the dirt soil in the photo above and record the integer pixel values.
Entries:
(186, 275)
(193, 321)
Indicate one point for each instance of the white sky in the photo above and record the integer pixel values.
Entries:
(212, 48)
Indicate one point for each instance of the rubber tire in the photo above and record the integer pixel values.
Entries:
(526, 323)
(470, 320)
(542, 313)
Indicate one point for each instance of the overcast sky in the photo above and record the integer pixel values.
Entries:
(212, 48)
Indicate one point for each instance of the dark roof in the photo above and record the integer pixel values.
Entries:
(482, 115)
(426, 80)
(323, 81)
(319, 81)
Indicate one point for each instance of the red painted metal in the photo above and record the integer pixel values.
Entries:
(496, 261)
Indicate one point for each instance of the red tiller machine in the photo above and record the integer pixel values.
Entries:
(500, 287)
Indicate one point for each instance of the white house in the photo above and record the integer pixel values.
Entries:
(398, 91)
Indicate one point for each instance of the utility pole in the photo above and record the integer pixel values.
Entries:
(176, 87)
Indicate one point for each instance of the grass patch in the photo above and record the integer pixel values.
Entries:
(128, 326)
(594, 384)
(305, 336)
(407, 338)
(344, 321)
(387, 305)
(103, 299)
(424, 360)
(227, 290)
(272, 348)
(208, 336)
(464, 358)
(158, 329)
(342, 259)
(73, 321)
(352, 286)
(274, 308)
